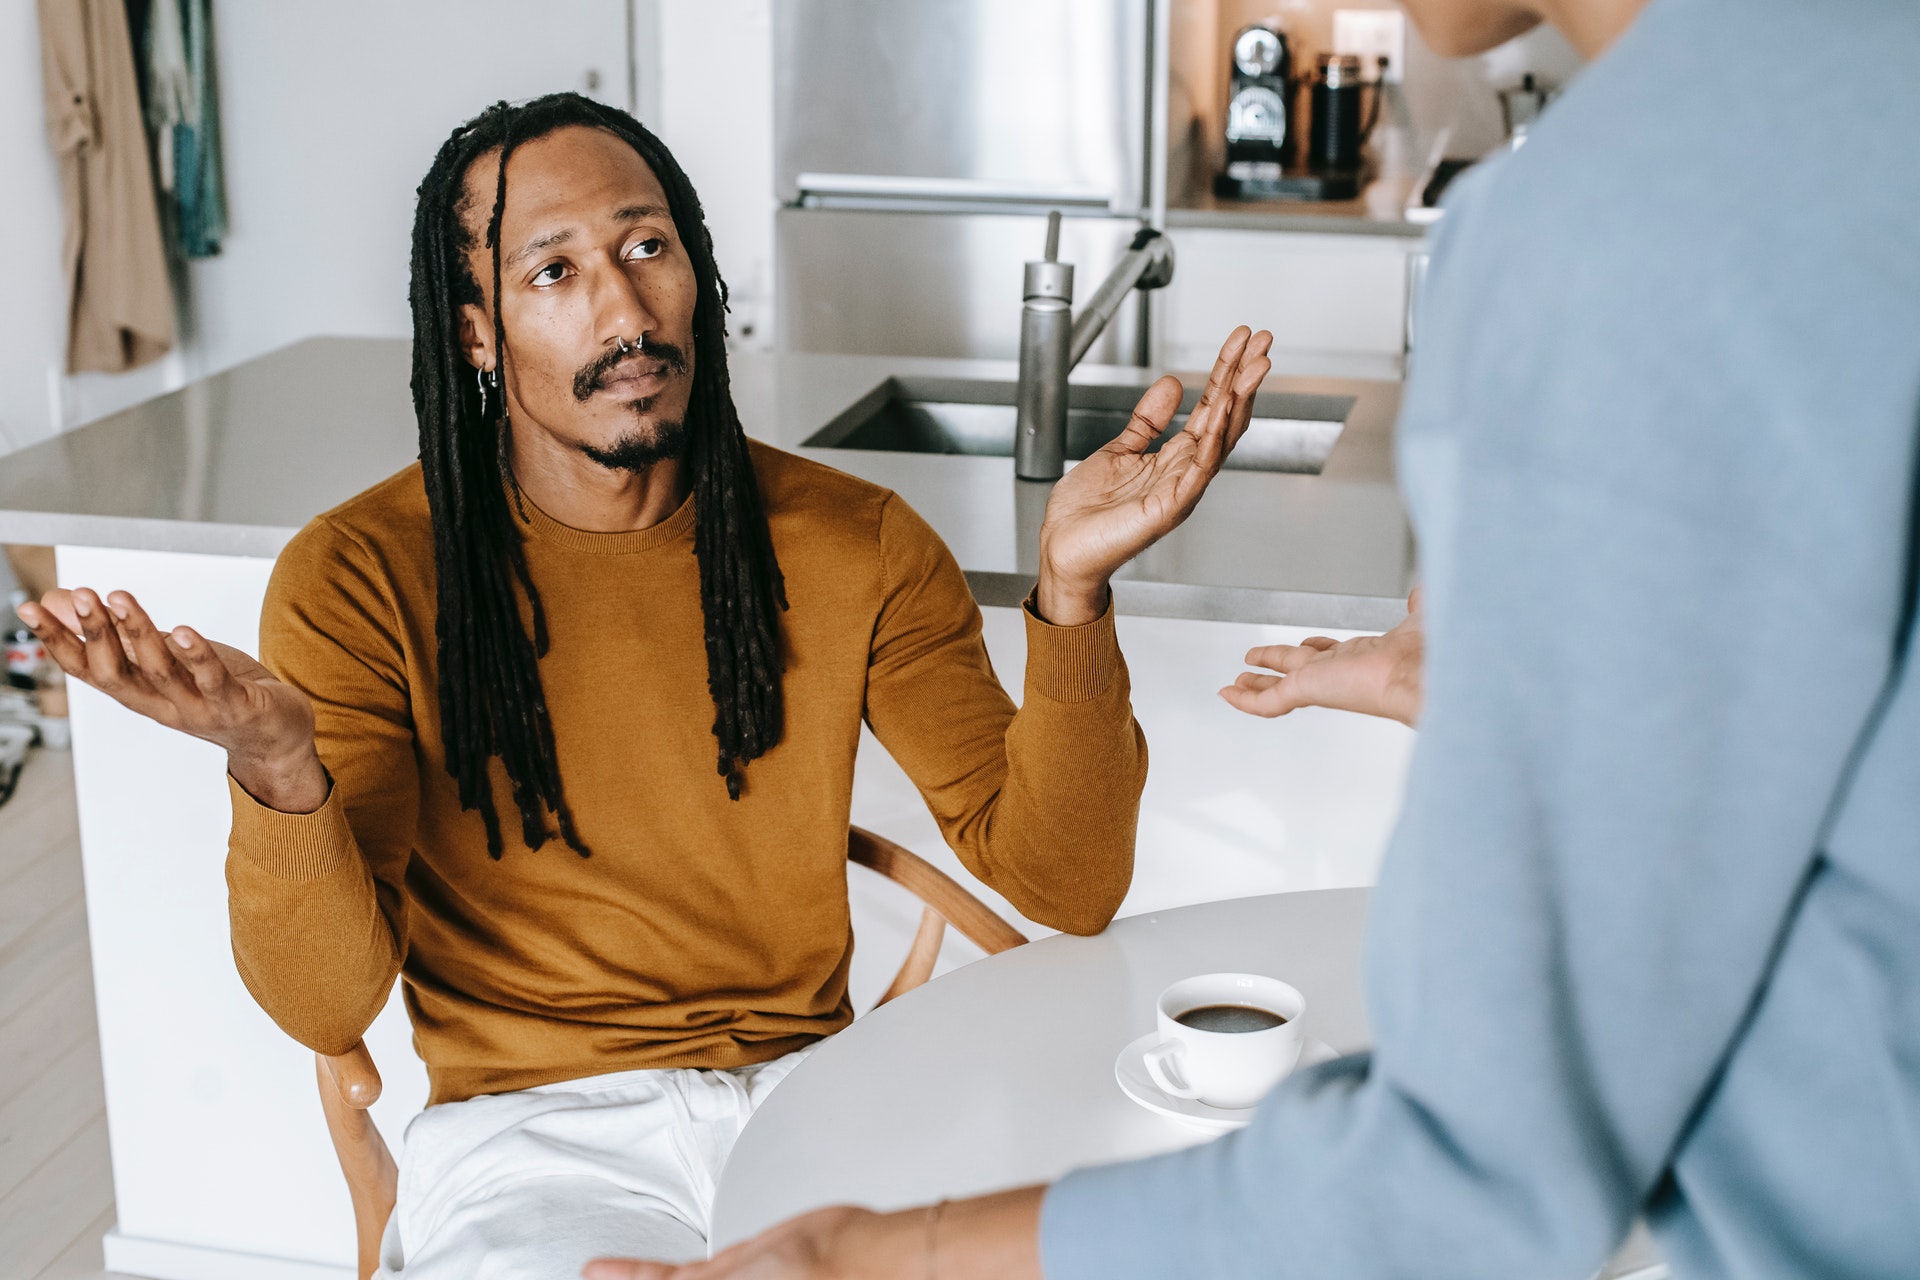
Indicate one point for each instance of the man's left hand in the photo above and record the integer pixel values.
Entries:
(1122, 499)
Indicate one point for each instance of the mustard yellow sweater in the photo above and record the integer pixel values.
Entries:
(702, 932)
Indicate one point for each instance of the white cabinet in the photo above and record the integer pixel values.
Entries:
(1337, 304)
(1234, 806)
(221, 1162)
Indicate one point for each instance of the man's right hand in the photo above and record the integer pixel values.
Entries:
(189, 683)
(1374, 675)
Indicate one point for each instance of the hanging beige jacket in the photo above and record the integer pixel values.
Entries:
(120, 299)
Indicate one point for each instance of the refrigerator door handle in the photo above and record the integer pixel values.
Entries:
(826, 189)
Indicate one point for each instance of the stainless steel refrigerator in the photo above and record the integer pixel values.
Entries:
(918, 145)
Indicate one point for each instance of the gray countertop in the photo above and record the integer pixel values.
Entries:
(237, 463)
(1379, 210)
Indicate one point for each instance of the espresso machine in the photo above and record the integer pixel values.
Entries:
(1274, 149)
(1260, 101)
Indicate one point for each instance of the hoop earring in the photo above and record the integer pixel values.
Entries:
(482, 378)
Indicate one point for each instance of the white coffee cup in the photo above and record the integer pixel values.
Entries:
(1227, 1069)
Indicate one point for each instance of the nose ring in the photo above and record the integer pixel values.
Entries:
(638, 345)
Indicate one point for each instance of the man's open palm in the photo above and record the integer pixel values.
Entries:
(178, 678)
(1123, 499)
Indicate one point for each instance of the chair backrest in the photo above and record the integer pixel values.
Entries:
(350, 1083)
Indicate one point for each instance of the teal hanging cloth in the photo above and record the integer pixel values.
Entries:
(203, 207)
(183, 114)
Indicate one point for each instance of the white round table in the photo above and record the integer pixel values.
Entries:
(1000, 1074)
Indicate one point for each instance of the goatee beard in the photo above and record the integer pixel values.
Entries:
(638, 451)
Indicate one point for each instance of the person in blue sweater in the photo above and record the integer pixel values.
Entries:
(1647, 938)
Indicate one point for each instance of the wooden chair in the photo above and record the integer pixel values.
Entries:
(349, 1083)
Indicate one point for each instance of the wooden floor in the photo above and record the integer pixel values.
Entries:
(56, 1186)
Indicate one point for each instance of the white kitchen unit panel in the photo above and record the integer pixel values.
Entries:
(1234, 805)
(1337, 304)
(222, 1166)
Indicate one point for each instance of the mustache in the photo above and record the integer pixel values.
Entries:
(593, 377)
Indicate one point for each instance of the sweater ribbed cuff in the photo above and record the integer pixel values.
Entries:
(290, 846)
(1071, 664)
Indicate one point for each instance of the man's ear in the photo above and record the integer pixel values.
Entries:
(476, 335)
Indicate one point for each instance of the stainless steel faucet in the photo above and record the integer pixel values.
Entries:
(1052, 341)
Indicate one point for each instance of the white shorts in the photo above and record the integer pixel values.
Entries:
(530, 1185)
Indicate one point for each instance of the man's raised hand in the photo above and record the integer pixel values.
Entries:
(186, 682)
(1122, 499)
(1374, 675)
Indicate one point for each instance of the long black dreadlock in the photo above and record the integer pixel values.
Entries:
(491, 703)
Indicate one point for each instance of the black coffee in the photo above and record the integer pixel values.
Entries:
(1229, 1017)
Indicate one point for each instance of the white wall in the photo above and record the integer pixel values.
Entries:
(715, 60)
(32, 299)
(332, 114)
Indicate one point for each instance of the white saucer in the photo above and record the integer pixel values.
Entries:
(1130, 1069)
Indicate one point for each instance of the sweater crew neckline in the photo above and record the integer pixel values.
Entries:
(539, 524)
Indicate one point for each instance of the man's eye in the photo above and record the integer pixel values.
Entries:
(651, 247)
(552, 273)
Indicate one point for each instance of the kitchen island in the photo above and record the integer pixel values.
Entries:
(235, 465)
(220, 1158)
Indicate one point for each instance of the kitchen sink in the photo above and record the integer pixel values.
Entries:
(1288, 432)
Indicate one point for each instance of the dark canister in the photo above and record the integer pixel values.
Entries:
(1335, 127)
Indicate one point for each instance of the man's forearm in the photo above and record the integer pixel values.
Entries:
(310, 939)
(1061, 833)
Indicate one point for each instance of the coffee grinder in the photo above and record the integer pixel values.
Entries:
(1338, 132)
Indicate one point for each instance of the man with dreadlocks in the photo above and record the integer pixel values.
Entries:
(594, 603)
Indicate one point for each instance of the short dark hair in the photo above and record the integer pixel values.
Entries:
(491, 702)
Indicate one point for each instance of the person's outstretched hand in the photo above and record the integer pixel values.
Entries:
(994, 1237)
(1122, 499)
(187, 682)
(802, 1248)
(1374, 675)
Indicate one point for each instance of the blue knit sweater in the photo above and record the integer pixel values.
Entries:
(1647, 939)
